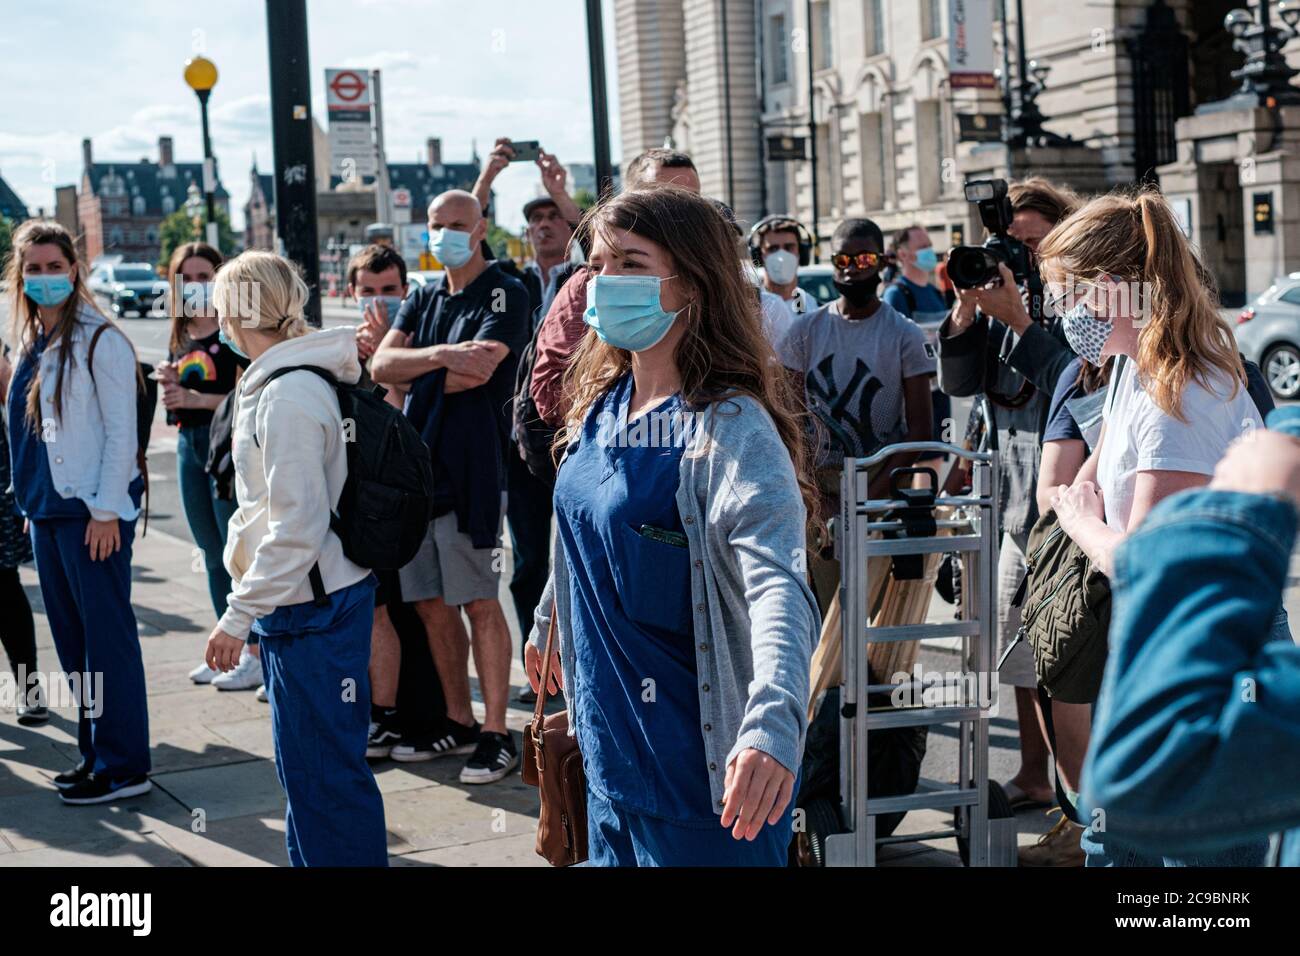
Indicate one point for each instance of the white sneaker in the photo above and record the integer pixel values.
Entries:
(203, 674)
(247, 674)
(261, 694)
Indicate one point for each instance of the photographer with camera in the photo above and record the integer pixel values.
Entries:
(998, 343)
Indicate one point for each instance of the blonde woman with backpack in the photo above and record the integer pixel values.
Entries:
(290, 466)
(76, 478)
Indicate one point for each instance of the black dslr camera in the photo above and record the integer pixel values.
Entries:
(972, 267)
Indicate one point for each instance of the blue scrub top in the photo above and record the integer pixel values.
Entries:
(635, 700)
(34, 490)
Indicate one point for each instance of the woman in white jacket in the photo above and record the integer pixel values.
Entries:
(290, 466)
(76, 479)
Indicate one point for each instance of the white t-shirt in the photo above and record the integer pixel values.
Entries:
(1142, 437)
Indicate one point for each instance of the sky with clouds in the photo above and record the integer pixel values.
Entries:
(466, 72)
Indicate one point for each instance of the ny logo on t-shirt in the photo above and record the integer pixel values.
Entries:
(846, 412)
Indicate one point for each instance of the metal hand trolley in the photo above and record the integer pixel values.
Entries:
(900, 527)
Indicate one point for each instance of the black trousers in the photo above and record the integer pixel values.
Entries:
(17, 629)
(529, 508)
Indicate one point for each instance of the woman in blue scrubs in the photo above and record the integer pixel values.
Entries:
(73, 443)
(685, 623)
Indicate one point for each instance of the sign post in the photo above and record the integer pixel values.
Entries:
(351, 135)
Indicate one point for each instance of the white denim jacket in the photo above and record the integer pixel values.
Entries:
(92, 445)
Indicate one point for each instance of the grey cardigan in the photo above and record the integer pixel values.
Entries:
(756, 620)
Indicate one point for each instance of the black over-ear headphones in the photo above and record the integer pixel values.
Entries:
(780, 224)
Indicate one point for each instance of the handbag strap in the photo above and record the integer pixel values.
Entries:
(546, 671)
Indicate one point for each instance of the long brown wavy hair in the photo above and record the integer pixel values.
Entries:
(1135, 236)
(723, 352)
(25, 314)
(180, 331)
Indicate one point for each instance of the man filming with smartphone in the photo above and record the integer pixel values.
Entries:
(997, 343)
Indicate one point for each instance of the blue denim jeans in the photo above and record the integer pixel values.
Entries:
(1195, 750)
(207, 515)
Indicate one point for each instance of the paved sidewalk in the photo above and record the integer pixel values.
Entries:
(216, 801)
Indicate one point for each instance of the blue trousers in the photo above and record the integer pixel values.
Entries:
(616, 837)
(88, 604)
(316, 664)
(206, 514)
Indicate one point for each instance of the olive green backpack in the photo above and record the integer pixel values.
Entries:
(1064, 614)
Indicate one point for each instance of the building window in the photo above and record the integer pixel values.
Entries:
(778, 50)
(137, 206)
(823, 54)
(929, 150)
(168, 204)
(873, 26)
(931, 19)
(871, 151)
(115, 237)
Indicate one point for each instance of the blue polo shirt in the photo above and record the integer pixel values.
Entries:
(635, 698)
(494, 306)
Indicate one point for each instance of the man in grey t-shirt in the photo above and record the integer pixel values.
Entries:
(865, 373)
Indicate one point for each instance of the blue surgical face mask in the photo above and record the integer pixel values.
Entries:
(391, 304)
(451, 247)
(926, 259)
(49, 290)
(626, 311)
(1086, 333)
(229, 343)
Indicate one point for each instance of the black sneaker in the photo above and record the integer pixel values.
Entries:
(97, 789)
(459, 739)
(494, 758)
(73, 777)
(383, 738)
(32, 712)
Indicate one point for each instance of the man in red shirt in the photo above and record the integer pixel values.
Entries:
(563, 328)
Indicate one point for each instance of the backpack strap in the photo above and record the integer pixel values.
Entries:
(141, 460)
(319, 596)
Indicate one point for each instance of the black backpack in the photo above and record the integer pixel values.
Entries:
(533, 438)
(221, 462)
(386, 504)
(146, 403)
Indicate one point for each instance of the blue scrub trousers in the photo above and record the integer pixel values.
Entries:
(616, 837)
(88, 604)
(316, 663)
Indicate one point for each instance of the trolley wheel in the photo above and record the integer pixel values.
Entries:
(821, 820)
(999, 809)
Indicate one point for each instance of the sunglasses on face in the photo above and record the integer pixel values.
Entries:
(863, 260)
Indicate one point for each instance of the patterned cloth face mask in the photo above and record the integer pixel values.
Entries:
(1086, 333)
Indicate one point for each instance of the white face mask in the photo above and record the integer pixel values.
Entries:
(781, 266)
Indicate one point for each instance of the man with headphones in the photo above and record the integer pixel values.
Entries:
(779, 245)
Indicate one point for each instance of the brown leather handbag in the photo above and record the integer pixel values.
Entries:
(553, 764)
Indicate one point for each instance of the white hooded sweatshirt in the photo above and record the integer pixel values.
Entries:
(288, 480)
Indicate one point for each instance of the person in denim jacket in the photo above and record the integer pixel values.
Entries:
(1198, 699)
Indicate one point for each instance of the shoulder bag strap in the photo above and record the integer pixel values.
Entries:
(535, 728)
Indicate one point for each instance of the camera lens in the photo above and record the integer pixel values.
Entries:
(970, 267)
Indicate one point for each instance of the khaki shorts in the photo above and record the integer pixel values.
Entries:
(448, 566)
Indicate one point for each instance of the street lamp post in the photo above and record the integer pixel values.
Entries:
(194, 207)
(1026, 125)
(201, 76)
(1265, 77)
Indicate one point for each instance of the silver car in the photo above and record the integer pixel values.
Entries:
(1268, 332)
